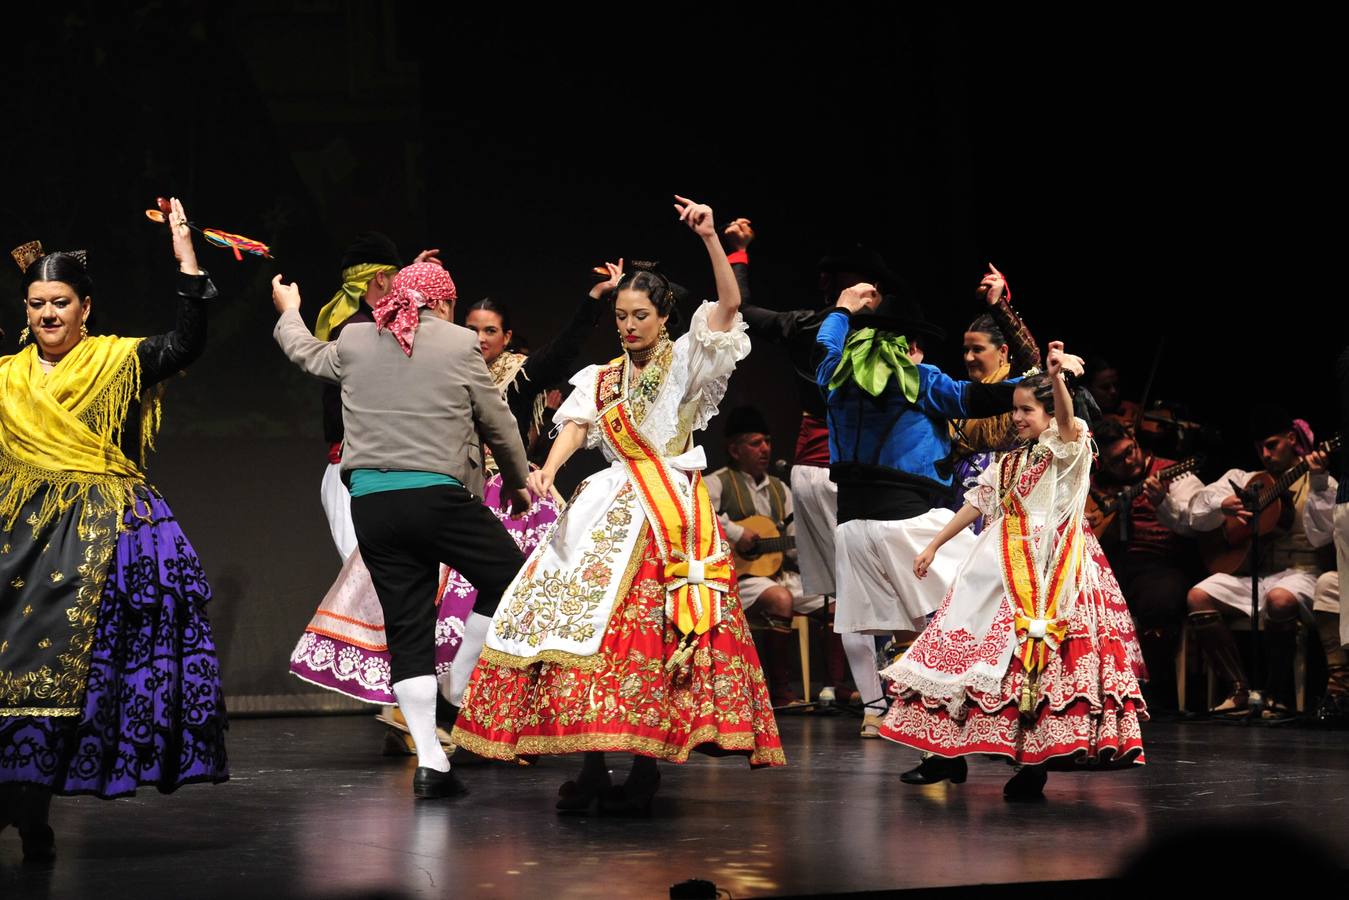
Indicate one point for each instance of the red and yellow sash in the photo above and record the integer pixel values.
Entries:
(697, 569)
(1040, 625)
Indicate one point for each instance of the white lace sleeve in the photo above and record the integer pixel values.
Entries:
(984, 495)
(710, 357)
(579, 407)
(1066, 450)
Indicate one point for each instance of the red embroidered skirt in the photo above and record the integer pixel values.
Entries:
(1089, 705)
(622, 700)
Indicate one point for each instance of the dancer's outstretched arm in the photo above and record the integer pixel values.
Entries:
(959, 522)
(571, 438)
(698, 216)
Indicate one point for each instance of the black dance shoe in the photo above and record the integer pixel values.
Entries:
(39, 845)
(937, 768)
(428, 784)
(633, 797)
(1027, 784)
(577, 797)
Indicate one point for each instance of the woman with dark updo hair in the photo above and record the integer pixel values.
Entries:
(623, 632)
(108, 672)
(997, 346)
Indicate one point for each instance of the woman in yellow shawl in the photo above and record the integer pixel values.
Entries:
(998, 346)
(108, 673)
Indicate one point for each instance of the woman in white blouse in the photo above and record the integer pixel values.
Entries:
(622, 632)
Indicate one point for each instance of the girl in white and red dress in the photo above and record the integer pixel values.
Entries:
(1031, 655)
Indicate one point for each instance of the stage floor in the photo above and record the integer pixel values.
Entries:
(313, 810)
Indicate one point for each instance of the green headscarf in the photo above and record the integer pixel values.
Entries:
(355, 282)
(871, 357)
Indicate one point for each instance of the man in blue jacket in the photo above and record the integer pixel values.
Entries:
(889, 439)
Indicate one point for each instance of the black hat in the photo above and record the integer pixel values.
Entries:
(1266, 420)
(371, 247)
(902, 315)
(745, 420)
(865, 262)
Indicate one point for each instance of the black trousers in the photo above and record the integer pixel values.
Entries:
(403, 537)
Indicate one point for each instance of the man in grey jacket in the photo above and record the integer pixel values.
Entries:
(413, 462)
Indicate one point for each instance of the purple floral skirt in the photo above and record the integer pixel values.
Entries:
(343, 648)
(154, 712)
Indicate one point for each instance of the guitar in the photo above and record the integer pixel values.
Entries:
(766, 558)
(1225, 550)
(1103, 507)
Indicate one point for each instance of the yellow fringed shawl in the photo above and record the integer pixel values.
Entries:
(61, 429)
(994, 433)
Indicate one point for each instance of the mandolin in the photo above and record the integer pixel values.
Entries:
(1225, 550)
(1103, 507)
(769, 549)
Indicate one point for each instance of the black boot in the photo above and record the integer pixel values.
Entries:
(937, 768)
(29, 812)
(1280, 641)
(1027, 784)
(1220, 650)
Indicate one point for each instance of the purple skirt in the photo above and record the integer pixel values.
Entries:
(154, 712)
(343, 647)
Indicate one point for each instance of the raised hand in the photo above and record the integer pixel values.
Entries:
(285, 296)
(183, 251)
(698, 216)
(1054, 362)
(859, 297)
(992, 286)
(612, 274)
(431, 256)
(738, 235)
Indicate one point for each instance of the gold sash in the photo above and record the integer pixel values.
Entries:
(697, 568)
(1040, 626)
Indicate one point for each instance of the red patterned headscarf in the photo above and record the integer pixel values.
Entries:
(420, 284)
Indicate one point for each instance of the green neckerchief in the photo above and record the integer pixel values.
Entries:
(870, 357)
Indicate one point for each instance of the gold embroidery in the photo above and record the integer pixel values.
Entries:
(4, 646)
(17, 583)
(555, 604)
(28, 610)
(57, 578)
(45, 643)
(622, 743)
(63, 687)
(4, 549)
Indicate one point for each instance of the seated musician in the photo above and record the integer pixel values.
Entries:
(742, 490)
(1288, 565)
(1144, 539)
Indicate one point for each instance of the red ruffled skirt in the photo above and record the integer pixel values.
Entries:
(1088, 709)
(623, 700)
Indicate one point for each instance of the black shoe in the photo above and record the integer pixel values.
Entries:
(577, 797)
(631, 798)
(1027, 784)
(1332, 712)
(937, 768)
(428, 784)
(39, 844)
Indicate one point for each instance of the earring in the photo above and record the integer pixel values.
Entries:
(84, 330)
(664, 335)
(23, 336)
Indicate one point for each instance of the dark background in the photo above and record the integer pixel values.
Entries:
(1136, 176)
